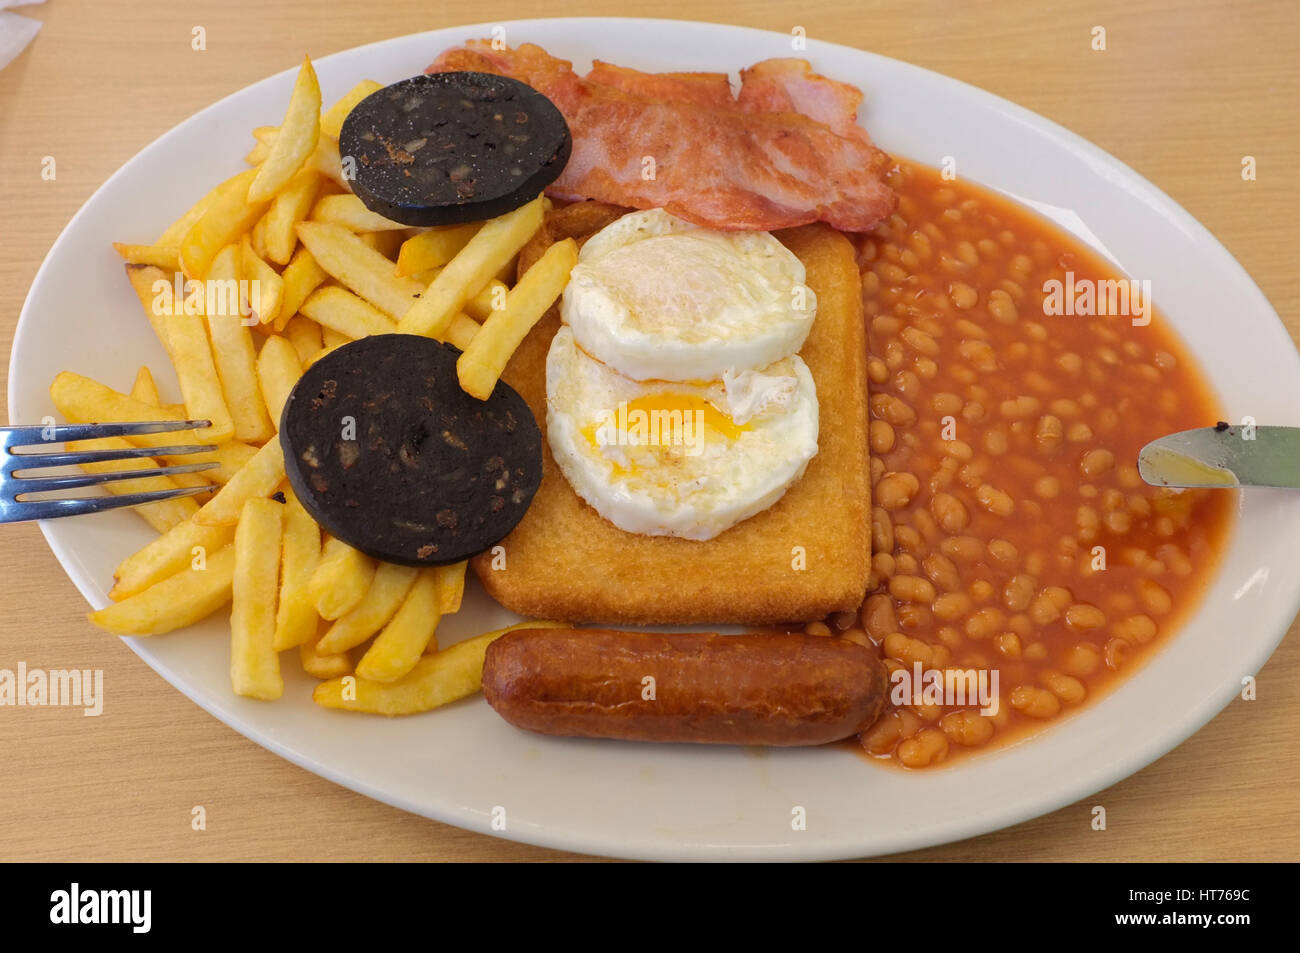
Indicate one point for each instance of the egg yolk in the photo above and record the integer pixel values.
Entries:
(662, 420)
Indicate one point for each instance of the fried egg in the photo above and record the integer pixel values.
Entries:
(672, 458)
(655, 297)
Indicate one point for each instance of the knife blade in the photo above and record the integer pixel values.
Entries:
(1224, 456)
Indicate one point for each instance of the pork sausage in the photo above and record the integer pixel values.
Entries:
(704, 688)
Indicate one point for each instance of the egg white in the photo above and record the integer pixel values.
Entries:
(655, 297)
(675, 489)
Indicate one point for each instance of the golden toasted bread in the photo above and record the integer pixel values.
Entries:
(804, 557)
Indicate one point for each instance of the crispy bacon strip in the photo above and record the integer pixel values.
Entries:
(721, 164)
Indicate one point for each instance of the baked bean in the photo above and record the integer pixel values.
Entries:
(946, 403)
(878, 616)
(1155, 597)
(927, 747)
(1136, 629)
(942, 572)
(965, 548)
(1065, 687)
(818, 628)
(1004, 553)
(1116, 653)
(881, 436)
(967, 727)
(1081, 659)
(893, 409)
(912, 589)
(920, 342)
(884, 735)
(882, 530)
(858, 636)
(1082, 616)
(1048, 487)
(896, 490)
(1034, 701)
(951, 605)
(985, 623)
(1019, 592)
(1001, 307)
(1096, 462)
(994, 500)
(950, 512)
(1008, 643)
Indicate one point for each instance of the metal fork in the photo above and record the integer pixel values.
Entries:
(15, 507)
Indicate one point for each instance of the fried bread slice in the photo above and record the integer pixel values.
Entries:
(806, 556)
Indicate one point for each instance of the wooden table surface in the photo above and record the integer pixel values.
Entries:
(1182, 92)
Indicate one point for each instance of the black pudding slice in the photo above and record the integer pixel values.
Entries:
(445, 148)
(387, 453)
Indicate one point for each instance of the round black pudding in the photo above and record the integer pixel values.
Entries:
(387, 453)
(445, 148)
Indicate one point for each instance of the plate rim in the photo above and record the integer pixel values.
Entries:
(1139, 756)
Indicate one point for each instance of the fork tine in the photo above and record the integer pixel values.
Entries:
(27, 485)
(50, 509)
(23, 436)
(37, 461)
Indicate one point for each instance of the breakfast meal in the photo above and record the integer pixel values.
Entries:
(649, 350)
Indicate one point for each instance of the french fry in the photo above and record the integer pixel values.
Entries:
(257, 237)
(387, 244)
(434, 248)
(323, 666)
(341, 579)
(359, 267)
(161, 256)
(333, 339)
(234, 353)
(340, 310)
(162, 515)
(491, 298)
(461, 331)
(254, 664)
(435, 680)
(144, 388)
(228, 217)
(304, 334)
(451, 587)
(183, 546)
(403, 640)
(258, 154)
(327, 162)
(177, 229)
(175, 602)
(480, 366)
(197, 373)
(82, 401)
(296, 139)
(256, 480)
(301, 277)
(231, 456)
(296, 619)
(278, 369)
(350, 212)
(386, 592)
(143, 278)
(327, 349)
(331, 123)
(290, 207)
(465, 275)
(270, 286)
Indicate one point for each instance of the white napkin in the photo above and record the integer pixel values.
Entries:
(15, 31)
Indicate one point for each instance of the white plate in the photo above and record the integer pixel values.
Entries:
(684, 802)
